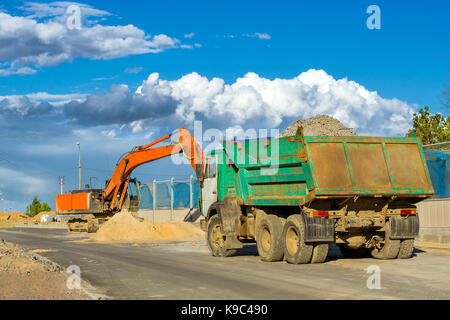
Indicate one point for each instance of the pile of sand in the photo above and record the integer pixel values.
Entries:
(321, 125)
(124, 227)
(37, 218)
(11, 218)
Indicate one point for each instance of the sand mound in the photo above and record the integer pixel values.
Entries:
(124, 227)
(12, 217)
(321, 125)
(37, 218)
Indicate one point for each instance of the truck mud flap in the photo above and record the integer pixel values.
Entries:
(230, 213)
(404, 228)
(319, 229)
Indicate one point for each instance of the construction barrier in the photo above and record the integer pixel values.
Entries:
(439, 167)
(170, 194)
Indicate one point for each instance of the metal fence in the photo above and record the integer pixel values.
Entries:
(170, 194)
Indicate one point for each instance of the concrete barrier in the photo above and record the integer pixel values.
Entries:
(434, 215)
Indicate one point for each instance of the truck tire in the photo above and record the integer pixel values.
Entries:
(268, 238)
(406, 249)
(215, 240)
(320, 252)
(390, 248)
(296, 251)
(353, 253)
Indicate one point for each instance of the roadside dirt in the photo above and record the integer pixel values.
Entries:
(126, 228)
(24, 277)
(321, 125)
(10, 219)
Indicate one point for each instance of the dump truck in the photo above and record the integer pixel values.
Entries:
(294, 196)
(86, 210)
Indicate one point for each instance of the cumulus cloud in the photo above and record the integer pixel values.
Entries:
(12, 70)
(22, 106)
(189, 35)
(27, 42)
(119, 106)
(249, 101)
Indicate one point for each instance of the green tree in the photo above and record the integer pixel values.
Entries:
(432, 128)
(36, 207)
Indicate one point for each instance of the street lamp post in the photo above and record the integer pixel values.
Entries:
(79, 166)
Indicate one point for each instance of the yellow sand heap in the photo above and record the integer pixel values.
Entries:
(124, 227)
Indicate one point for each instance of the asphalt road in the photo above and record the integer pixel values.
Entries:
(187, 271)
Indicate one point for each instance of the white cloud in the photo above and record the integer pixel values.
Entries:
(59, 8)
(25, 42)
(249, 101)
(24, 184)
(263, 36)
(189, 35)
(134, 70)
(17, 71)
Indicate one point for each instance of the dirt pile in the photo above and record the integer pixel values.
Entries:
(126, 228)
(25, 277)
(8, 219)
(321, 125)
(16, 260)
(37, 218)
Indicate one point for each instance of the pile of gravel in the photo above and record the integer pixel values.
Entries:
(17, 260)
(321, 125)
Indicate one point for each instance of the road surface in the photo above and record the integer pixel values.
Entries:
(187, 271)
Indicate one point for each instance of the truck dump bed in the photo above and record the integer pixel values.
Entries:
(297, 170)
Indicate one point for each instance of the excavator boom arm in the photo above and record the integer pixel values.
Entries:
(148, 153)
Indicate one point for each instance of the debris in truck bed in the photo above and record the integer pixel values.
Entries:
(321, 125)
(124, 227)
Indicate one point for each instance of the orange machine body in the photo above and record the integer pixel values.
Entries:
(72, 202)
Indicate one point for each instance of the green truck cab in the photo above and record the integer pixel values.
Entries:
(294, 196)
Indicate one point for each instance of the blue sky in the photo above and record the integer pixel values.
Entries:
(60, 86)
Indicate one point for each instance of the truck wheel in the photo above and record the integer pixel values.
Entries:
(389, 249)
(295, 249)
(268, 238)
(406, 249)
(353, 253)
(216, 240)
(320, 252)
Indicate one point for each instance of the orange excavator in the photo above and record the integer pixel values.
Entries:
(87, 209)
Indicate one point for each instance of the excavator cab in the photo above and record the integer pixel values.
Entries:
(132, 202)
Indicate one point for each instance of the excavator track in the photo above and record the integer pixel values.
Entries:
(85, 225)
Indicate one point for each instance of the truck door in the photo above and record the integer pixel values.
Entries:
(209, 190)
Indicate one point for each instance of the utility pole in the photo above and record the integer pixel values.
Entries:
(79, 166)
(61, 183)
